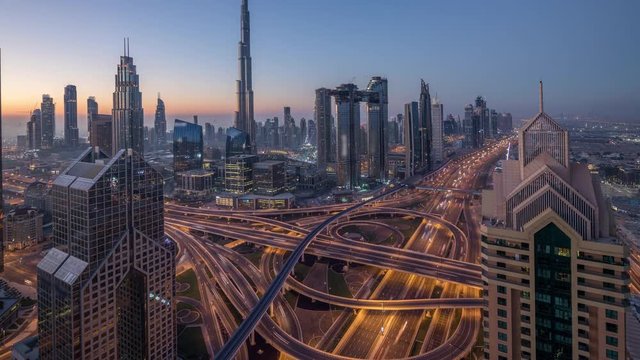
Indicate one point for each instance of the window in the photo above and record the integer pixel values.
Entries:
(612, 328)
(612, 354)
(525, 295)
(612, 340)
(560, 251)
(502, 313)
(502, 289)
(611, 314)
(503, 348)
(502, 336)
(502, 301)
(503, 324)
(609, 299)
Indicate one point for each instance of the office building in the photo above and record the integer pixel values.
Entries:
(102, 132)
(244, 116)
(347, 98)
(505, 123)
(237, 143)
(34, 130)
(48, 122)
(437, 131)
(324, 122)
(482, 112)
(312, 133)
(92, 110)
(238, 173)
(424, 108)
(196, 183)
(106, 289)
(160, 123)
(377, 117)
(556, 280)
(128, 115)
(288, 129)
(38, 195)
(472, 128)
(269, 177)
(70, 116)
(303, 132)
(188, 146)
(22, 228)
(414, 154)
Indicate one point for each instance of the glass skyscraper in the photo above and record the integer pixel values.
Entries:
(377, 117)
(48, 111)
(106, 290)
(70, 116)
(128, 115)
(237, 143)
(188, 146)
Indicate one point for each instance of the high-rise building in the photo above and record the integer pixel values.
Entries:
(269, 177)
(288, 128)
(244, 116)
(102, 132)
(484, 120)
(92, 110)
(128, 115)
(34, 130)
(188, 146)
(238, 142)
(400, 120)
(71, 116)
(312, 133)
(324, 122)
(377, 117)
(347, 98)
(472, 128)
(238, 173)
(437, 131)
(556, 280)
(505, 123)
(412, 139)
(160, 123)
(106, 289)
(303, 131)
(48, 123)
(426, 132)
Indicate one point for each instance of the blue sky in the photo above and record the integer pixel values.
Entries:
(586, 52)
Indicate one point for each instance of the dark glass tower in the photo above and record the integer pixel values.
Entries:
(70, 116)
(426, 127)
(238, 143)
(160, 123)
(92, 111)
(244, 115)
(324, 122)
(106, 289)
(48, 110)
(128, 115)
(188, 146)
(377, 117)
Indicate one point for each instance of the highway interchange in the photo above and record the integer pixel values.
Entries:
(432, 276)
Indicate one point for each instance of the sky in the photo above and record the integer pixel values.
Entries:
(585, 51)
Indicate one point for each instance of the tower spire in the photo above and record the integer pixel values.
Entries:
(541, 98)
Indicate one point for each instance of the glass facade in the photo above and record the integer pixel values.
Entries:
(188, 146)
(553, 293)
(238, 143)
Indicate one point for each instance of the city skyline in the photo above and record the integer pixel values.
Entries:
(205, 83)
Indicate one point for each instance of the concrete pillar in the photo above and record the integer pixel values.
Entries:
(252, 338)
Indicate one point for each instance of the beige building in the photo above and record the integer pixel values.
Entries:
(556, 280)
(23, 228)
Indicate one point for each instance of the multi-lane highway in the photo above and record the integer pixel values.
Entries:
(431, 274)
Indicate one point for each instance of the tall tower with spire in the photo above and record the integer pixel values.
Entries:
(128, 116)
(244, 116)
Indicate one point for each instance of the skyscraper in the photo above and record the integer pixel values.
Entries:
(160, 123)
(106, 289)
(322, 114)
(48, 123)
(412, 139)
(102, 132)
(472, 127)
(237, 143)
(556, 280)
(312, 133)
(424, 107)
(347, 99)
(128, 115)
(288, 128)
(377, 117)
(188, 146)
(92, 110)
(34, 130)
(303, 131)
(70, 116)
(437, 131)
(244, 115)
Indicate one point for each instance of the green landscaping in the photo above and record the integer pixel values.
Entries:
(337, 285)
(189, 277)
(191, 344)
(184, 306)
